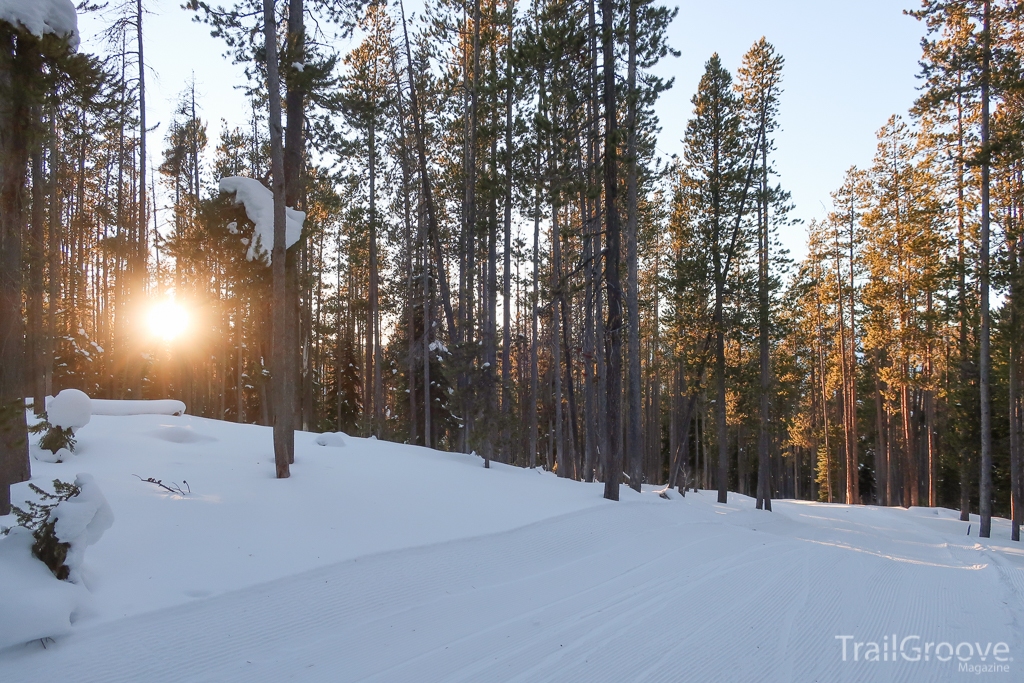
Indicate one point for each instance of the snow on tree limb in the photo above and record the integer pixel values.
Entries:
(259, 207)
(40, 17)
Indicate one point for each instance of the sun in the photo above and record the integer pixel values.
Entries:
(168, 320)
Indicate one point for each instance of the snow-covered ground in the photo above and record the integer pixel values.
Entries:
(383, 562)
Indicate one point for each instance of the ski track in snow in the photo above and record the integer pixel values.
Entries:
(388, 563)
(716, 593)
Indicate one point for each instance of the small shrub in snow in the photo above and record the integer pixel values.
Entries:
(37, 519)
(65, 522)
(54, 439)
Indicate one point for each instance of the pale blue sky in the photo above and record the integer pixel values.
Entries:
(850, 64)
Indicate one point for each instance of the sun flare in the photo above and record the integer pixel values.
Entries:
(168, 320)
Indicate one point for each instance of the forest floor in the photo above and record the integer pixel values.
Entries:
(383, 562)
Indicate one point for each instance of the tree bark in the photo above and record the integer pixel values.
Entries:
(613, 460)
(506, 283)
(17, 68)
(284, 425)
(37, 260)
(984, 366)
(634, 433)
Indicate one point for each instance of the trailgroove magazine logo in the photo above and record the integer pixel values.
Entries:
(969, 657)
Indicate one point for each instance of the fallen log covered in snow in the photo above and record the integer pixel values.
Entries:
(164, 406)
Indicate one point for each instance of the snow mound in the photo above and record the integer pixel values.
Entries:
(43, 455)
(165, 406)
(259, 207)
(81, 521)
(33, 604)
(176, 434)
(40, 17)
(70, 408)
(334, 439)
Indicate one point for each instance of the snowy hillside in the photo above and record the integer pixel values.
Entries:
(384, 562)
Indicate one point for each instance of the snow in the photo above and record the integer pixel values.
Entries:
(399, 563)
(33, 603)
(166, 406)
(259, 207)
(335, 439)
(70, 408)
(40, 17)
(61, 454)
(81, 521)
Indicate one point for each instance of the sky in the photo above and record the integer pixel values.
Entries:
(850, 64)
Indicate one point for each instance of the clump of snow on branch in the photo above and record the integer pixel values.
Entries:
(81, 522)
(259, 207)
(70, 409)
(40, 17)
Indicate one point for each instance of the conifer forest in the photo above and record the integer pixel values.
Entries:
(465, 236)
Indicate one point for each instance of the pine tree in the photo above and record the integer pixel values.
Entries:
(715, 155)
(760, 87)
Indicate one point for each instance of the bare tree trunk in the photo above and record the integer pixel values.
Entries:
(373, 352)
(15, 119)
(965, 490)
(54, 246)
(853, 457)
(534, 370)
(881, 440)
(293, 154)
(140, 250)
(506, 291)
(427, 326)
(720, 415)
(284, 424)
(565, 307)
(764, 499)
(929, 417)
(1015, 424)
(845, 375)
(984, 371)
(37, 259)
(491, 313)
(613, 459)
(634, 437)
(910, 474)
(1016, 262)
(428, 197)
(556, 334)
